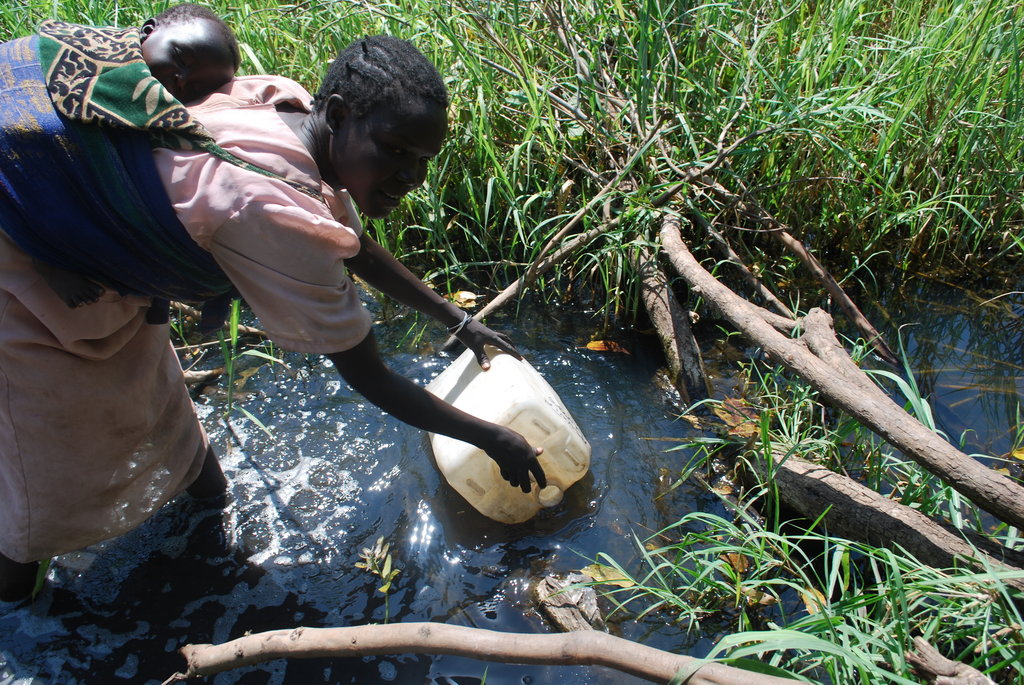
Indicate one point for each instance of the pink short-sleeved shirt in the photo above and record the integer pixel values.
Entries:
(282, 248)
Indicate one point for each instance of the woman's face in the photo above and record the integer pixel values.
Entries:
(191, 59)
(382, 155)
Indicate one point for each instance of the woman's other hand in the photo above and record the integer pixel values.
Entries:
(516, 458)
(476, 336)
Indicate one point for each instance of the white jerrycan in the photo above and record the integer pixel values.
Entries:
(513, 394)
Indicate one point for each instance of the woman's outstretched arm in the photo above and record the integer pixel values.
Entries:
(383, 271)
(364, 370)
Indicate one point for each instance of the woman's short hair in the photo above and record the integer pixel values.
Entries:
(381, 70)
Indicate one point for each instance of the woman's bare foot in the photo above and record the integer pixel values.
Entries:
(17, 580)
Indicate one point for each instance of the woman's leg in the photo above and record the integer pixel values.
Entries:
(211, 481)
(17, 580)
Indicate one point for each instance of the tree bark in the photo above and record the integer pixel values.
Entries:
(938, 670)
(851, 510)
(685, 366)
(580, 648)
(847, 390)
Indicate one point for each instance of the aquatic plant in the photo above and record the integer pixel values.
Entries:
(377, 561)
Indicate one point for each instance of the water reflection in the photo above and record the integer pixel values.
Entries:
(965, 343)
(328, 476)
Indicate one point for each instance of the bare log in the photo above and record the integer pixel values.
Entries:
(569, 603)
(938, 670)
(853, 511)
(672, 321)
(590, 647)
(865, 402)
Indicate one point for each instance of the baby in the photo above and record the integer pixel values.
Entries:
(192, 52)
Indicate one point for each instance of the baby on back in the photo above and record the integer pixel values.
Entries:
(192, 52)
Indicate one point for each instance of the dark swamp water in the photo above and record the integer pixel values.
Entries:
(335, 474)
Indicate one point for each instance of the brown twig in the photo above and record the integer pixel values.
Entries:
(578, 648)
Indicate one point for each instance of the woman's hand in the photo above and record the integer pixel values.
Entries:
(475, 336)
(516, 459)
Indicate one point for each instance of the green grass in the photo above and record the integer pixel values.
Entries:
(895, 131)
(799, 599)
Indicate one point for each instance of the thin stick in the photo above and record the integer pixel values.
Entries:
(589, 647)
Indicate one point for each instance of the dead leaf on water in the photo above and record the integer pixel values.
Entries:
(606, 346)
(813, 599)
(242, 376)
(739, 562)
(1018, 453)
(694, 421)
(722, 488)
(740, 417)
(1005, 472)
(759, 598)
(608, 575)
(464, 298)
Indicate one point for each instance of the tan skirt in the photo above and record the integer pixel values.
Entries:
(97, 430)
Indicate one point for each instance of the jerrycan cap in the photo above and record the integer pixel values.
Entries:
(550, 496)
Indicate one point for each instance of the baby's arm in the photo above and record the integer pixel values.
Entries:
(74, 289)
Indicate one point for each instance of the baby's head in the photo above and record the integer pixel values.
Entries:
(385, 106)
(190, 50)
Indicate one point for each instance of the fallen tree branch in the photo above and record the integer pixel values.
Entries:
(938, 670)
(721, 244)
(590, 647)
(864, 401)
(780, 231)
(196, 315)
(672, 321)
(851, 510)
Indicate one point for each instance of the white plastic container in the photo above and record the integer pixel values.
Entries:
(513, 394)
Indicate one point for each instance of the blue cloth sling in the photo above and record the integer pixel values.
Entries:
(88, 198)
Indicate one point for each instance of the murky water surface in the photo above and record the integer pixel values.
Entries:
(331, 473)
(965, 343)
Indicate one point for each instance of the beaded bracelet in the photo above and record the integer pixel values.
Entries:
(457, 328)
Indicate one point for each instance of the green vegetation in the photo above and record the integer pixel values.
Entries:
(814, 605)
(892, 132)
(885, 135)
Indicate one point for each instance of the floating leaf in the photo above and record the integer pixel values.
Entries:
(740, 417)
(464, 298)
(606, 346)
(1018, 453)
(608, 575)
(1005, 472)
(760, 598)
(739, 562)
(243, 375)
(694, 421)
(813, 599)
(722, 488)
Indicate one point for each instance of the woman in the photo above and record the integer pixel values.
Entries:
(98, 431)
